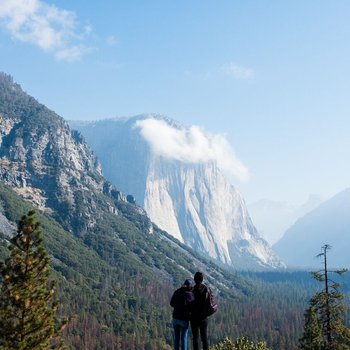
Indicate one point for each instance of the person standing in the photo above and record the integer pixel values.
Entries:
(199, 321)
(181, 302)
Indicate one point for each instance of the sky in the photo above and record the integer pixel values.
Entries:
(270, 77)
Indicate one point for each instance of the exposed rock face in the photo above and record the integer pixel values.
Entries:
(43, 160)
(52, 167)
(6, 227)
(193, 202)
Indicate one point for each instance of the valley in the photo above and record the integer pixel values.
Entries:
(115, 264)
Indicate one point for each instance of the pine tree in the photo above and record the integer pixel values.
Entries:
(27, 306)
(327, 304)
(312, 337)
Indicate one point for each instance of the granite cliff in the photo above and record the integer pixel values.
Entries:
(192, 201)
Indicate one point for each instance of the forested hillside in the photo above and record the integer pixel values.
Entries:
(113, 285)
(114, 300)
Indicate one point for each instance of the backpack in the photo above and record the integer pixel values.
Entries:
(211, 305)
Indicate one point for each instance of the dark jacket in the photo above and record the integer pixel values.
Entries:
(198, 307)
(181, 301)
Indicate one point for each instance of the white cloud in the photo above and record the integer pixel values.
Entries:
(230, 69)
(238, 72)
(191, 145)
(46, 26)
(112, 40)
(71, 54)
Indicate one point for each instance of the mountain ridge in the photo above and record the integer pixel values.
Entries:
(116, 270)
(29, 145)
(273, 218)
(115, 267)
(327, 224)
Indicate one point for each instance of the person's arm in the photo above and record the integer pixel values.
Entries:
(173, 300)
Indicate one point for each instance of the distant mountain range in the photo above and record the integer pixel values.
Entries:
(329, 223)
(187, 197)
(273, 218)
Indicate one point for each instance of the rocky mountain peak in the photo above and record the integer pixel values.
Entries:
(44, 160)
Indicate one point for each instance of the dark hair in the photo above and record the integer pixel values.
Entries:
(198, 277)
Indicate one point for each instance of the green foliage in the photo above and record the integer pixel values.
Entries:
(328, 332)
(109, 284)
(242, 343)
(14, 102)
(312, 337)
(112, 295)
(27, 306)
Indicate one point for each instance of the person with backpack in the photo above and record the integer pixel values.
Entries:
(203, 306)
(181, 302)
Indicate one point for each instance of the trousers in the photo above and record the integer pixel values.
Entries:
(180, 334)
(199, 327)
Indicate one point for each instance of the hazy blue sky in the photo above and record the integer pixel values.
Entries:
(274, 76)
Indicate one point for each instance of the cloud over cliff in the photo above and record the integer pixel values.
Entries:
(191, 145)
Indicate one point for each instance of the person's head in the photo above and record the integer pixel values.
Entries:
(188, 284)
(198, 277)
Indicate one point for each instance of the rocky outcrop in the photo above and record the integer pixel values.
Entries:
(192, 201)
(45, 162)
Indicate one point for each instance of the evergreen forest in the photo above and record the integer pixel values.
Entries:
(114, 302)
